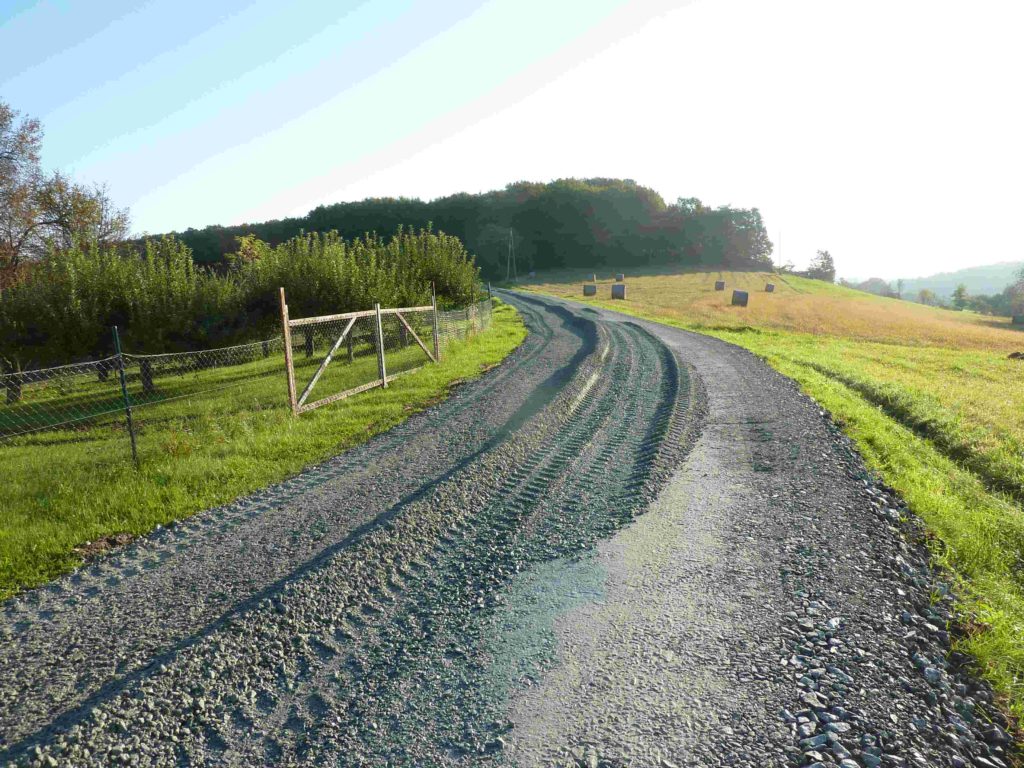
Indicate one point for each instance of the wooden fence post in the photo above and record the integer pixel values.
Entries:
(380, 349)
(437, 346)
(286, 332)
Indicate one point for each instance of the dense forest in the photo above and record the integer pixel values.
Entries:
(565, 223)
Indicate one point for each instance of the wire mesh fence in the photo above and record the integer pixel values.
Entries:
(53, 398)
(334, 356)
(74, 400)
(87, 395)
(460, 324)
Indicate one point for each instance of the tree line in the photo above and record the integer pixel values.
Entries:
(1007, 303)
(564, 223)
(68, 272)
(162, 301)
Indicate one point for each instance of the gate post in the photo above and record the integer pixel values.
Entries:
(286, 332)
(380, 349)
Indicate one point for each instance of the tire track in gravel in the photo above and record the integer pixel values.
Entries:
(195, 574)
(372, 652)
(535, 489)
(536, 477)
(774, 606)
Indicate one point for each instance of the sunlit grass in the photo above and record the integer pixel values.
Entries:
(61, 488)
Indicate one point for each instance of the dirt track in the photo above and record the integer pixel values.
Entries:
(625, 546)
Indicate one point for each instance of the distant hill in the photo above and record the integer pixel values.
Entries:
(988, 279)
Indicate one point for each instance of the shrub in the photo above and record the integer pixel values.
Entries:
(163, 302)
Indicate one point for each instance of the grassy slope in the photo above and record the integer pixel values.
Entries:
(928, 395)
(61, 489)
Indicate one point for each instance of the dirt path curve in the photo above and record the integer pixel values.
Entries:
(626, 546)
(772, 607)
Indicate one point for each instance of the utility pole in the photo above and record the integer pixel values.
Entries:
(510, 262)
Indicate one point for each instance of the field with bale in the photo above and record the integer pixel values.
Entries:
(930, 396)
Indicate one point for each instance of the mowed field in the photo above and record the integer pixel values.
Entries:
(929, 395)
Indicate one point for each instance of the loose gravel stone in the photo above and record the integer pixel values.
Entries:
(627, 545)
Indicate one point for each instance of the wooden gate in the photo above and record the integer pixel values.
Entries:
(372, 338)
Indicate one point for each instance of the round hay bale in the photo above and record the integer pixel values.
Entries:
(619, 291)
(740, 298)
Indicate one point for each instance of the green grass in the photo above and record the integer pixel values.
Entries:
(938, 417)
(64, 487)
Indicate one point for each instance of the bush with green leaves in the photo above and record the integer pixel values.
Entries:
(325, 274)
(159, 299)
(162, 302)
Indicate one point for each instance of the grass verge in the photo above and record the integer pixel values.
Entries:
(940, 424)
(63, 488)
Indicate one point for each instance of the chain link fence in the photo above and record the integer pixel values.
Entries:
(457, 324)
(100, 394)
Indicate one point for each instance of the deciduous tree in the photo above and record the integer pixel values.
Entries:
(960, 297)
(822, 267)
(40, 211)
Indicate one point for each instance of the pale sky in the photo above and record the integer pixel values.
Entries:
(889, 132)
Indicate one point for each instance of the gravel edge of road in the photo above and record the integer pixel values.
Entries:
(948, 679)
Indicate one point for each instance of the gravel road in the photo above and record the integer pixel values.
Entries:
(626, 546)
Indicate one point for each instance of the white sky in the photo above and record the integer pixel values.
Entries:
(889, 133)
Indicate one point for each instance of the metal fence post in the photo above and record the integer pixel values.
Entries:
(437, 345)
(286, 332)
(380, 349)
(124, 395)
